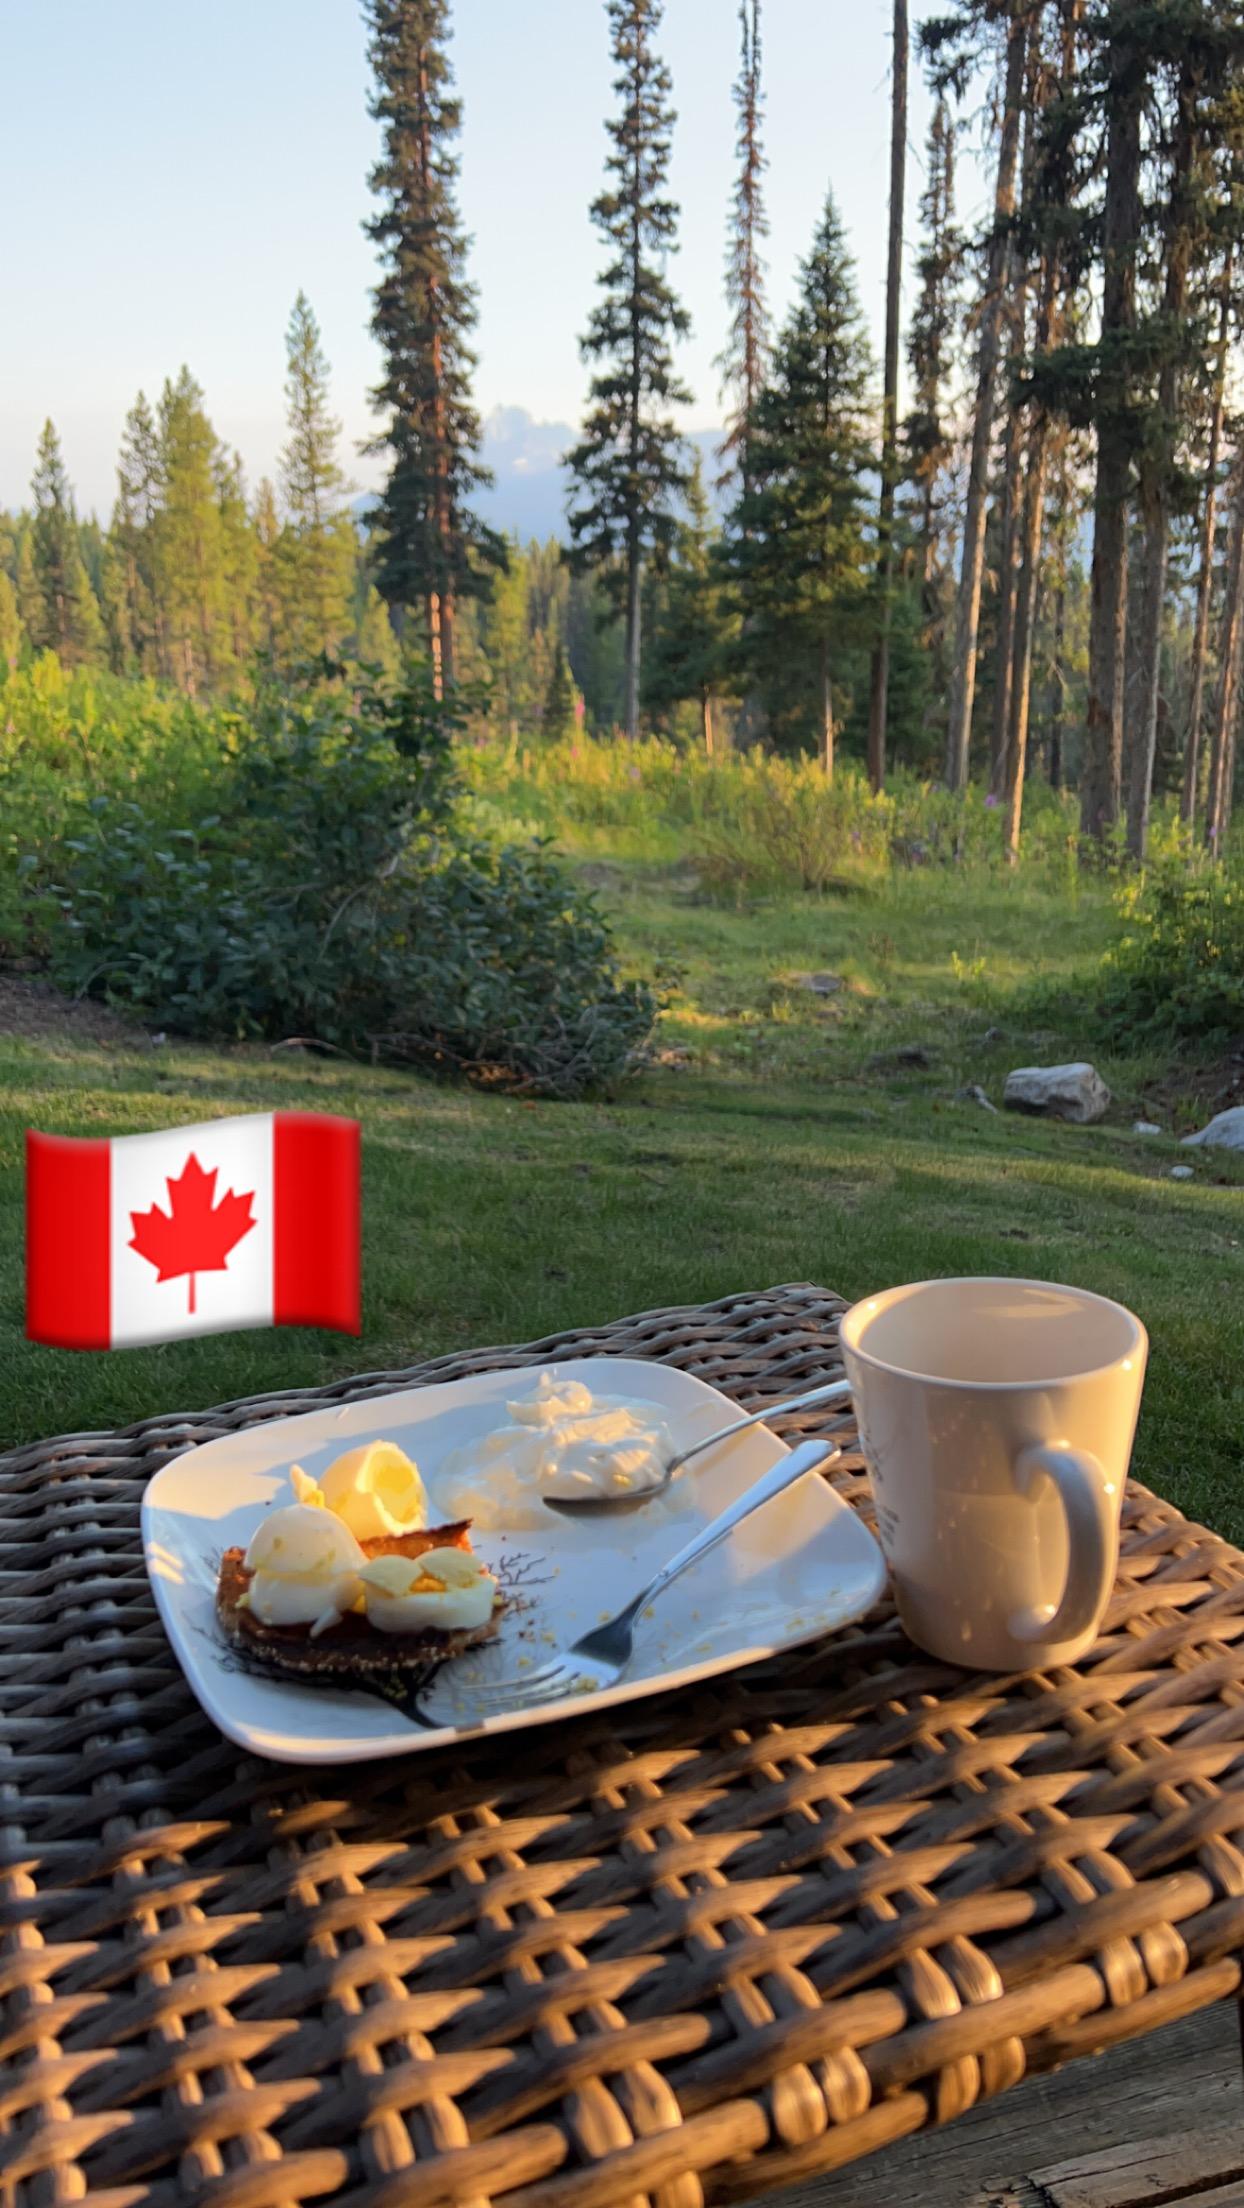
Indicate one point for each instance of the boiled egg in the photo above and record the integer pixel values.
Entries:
(306, 1566)
(375, 1490)
(444, 1589)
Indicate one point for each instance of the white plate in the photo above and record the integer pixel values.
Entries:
(800, 1567)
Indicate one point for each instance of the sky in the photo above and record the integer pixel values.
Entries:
(174, 174)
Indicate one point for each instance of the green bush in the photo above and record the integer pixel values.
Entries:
(326, 892)
(1178, 969)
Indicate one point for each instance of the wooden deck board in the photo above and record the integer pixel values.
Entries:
(1054, 2139)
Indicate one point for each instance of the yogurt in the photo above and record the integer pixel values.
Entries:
(562, 1441)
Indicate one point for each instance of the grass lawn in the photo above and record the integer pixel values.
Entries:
(794, 1144)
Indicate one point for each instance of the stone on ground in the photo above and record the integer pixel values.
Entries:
(1075, 1092)
(1224, 1132)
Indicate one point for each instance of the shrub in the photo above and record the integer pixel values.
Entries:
(327, 893)
(1179, 967)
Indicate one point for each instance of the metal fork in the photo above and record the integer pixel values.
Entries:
(600, 1657)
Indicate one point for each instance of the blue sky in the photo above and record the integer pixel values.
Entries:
(173, 174)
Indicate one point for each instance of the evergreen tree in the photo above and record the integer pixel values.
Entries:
(134, 613)
(31, 604)
(742, 364)
(879, 676)
(797, 547)
(10, 622)
(694, 630)
(267, 530)
(930, 345)
(558, 717)
(321, 553)
(239, 567)
(989, 353)
(629, 466)
(428, 548)
(189, 538)
(65, 610)
(374, 642)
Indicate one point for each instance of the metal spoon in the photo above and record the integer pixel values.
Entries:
(572, 1506)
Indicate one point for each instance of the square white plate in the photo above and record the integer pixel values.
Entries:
(802, 1566)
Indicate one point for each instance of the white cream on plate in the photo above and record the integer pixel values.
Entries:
(562, 1441)
(375, 1490)
(444, 1589)
(306, 1567)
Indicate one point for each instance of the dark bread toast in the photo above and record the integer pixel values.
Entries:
(352, 1648)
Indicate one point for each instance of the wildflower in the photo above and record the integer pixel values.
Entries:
(991, 802)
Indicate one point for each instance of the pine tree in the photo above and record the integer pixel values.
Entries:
(694, 630)
(558, 716)
(428, 549)
(31, 604)
(743, 362)
(930, 341)
(1125, 84)
(375, 645)
(1193, 753)
(135, 613)
(320, 561)
(67, 615)
(239, 567)
(1049, 187)
(10, 622)
(879, 676)
(989, 348)
(797, 544)
(266, 526)
(629, 466)
(189, 538)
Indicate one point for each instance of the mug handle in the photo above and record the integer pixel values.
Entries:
(1088, 1499)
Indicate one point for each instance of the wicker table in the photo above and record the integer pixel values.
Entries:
(692, 1949)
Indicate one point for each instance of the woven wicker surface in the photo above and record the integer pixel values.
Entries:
(692, 1949)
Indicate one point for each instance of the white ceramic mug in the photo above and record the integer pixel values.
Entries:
(996, 1418)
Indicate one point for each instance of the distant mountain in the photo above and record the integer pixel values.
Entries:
(528, 498)
(528, 495)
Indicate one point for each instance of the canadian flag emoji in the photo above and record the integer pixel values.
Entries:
(238, 1222)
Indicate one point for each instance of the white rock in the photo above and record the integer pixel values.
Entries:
(1076, 1092)
(1180, 1173)
(1145, 1127)
(1225, 1132)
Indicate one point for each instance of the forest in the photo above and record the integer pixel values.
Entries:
(1011, 548)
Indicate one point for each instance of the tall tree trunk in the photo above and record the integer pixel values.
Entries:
(1010, 498)
(1101, 785)
(435, 607)
(634, 577)
(1047, 326)
(1058, 706)
(1025, 629)
(1217, 804)
(706, 721)
(1205, 572)
(879, 680)
(1156, 470)
(967, 612)
(827, 713)
(449, 673)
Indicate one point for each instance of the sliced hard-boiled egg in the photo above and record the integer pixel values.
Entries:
(305, 1564)
(375, 1490)
(444, 1589)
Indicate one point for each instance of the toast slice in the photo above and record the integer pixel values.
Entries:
(353, 1648)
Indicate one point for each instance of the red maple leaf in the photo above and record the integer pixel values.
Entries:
(194, 1235)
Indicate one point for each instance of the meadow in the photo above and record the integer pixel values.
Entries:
(779, 1133)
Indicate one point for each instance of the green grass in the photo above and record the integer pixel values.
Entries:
(792, 1146)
